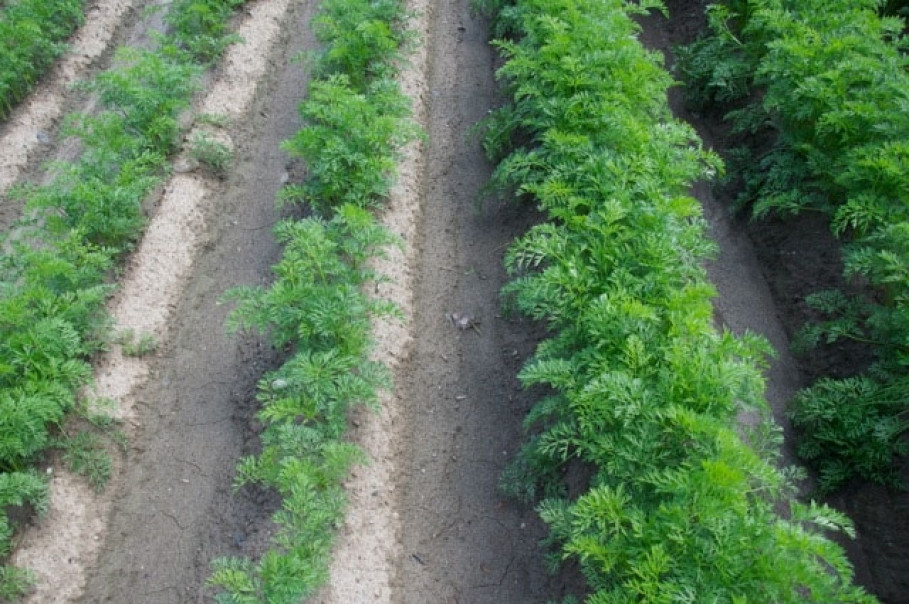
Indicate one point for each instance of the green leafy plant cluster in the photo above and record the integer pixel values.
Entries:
(32, 35)
(317, 305)
(829, 83)
(681, 502)
(201, 27)
(349, 143)
(364, 40)
(206, 149)
(355, 121)
(55, 266)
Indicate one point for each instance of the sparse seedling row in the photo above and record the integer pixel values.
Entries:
(356, 120)
(32, 34)
(645, 394)
(831, 88)
(56, 264)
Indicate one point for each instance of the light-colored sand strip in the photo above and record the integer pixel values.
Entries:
(365, 556)
(66, 542)
(44, 106)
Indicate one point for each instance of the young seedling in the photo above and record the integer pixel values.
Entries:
(208, 150)
(136, 347)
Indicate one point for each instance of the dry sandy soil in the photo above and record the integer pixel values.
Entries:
(426, 523)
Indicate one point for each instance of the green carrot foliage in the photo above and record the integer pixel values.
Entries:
(32, 34)
(55, 264)
(200, 27)
(682, 501)
(362, 39)
(349, 143)
(355, 122)
(829, 83)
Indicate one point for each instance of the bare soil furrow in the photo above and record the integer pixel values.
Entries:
(462, 405)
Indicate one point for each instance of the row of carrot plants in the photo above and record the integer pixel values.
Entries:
(828, 83)
(681, 502)
(32, 34)
(57, 262)
(356, 120)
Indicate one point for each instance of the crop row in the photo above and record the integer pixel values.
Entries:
(828, 83)
(355, 121)
(56, 263)
(32, 35)
(680, 501)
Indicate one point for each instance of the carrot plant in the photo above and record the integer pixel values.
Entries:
(318, 305)
(349, 142)
(363, 40)
(682, 503)
(200, 27)
(828, 83)
(32, 35)
(55, 267)
(355, 121)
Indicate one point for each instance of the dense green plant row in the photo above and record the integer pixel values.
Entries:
(56, 263)
(355, 122)
(832, 91)
(32, 35)
(681, 503)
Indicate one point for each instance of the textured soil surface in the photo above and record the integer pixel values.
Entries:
(427, 523)
(461, 541)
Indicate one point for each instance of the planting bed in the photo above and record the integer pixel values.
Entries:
(795, 257)
(425, 520)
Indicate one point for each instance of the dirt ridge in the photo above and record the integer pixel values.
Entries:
(363, 562)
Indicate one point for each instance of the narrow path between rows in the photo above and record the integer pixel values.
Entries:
(462, 405)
